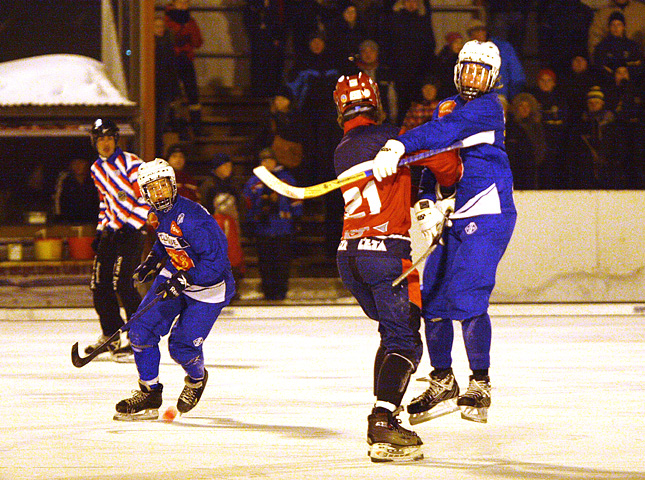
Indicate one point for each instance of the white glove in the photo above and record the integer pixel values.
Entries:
(432, 216)
(387, 159)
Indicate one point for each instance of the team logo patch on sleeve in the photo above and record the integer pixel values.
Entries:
(175, 230)
(446, 107)
(153, 221)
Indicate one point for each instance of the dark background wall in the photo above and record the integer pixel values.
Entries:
(40, 27)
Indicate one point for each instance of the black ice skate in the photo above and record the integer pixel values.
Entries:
(121, 350)
(191, 393)
(101, 340)
(439, 399)
(143, 405)
(389, 441)
(475, 402)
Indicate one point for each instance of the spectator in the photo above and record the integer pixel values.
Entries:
(186, 184)
(220, 199)
(36, 195)
(411, 49)
(554, 113)
(303, 18)
(186, 37)
(446, 61)
(372, 17)
(271, 220)
(381, 74)
(634, 13)
(166, 81)
(421, 112)
(282, 131)
(579, 79)
(625, 101)
(593, 156)
(76, 199)
(508, 20)
(345, 34)
(314, 80)
(525, 141)
(217, 190)
(512, 77)
(615, 47)
(563, 27)
(266, 28)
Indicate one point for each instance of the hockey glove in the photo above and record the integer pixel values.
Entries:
(432, 216)
(173, 287)
(387, 159)
(152, 265)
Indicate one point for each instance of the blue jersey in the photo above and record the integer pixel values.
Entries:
(268, 213)
(487, 183)
(193, 241)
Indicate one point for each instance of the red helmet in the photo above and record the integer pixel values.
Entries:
(356, 94)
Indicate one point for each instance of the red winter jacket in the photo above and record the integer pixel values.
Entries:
(184, 32)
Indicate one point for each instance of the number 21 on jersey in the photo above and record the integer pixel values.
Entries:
(358, 202)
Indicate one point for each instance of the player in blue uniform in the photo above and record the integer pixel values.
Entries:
(195, 282)
(375, 250)
(460, 275)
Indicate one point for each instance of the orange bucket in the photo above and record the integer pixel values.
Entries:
(80, 248)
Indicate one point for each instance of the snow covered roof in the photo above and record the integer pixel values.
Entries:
(57, 80)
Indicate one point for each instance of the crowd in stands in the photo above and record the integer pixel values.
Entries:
(574, 122)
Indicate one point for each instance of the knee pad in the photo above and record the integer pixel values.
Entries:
(141, 338)
(184, 354)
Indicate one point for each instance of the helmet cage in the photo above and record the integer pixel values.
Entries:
(356, 95)
(485, 54)
(152, 171)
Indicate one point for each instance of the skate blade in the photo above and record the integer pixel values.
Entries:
(150, 414)
(444, 408)
(474, 414)
(385, 452)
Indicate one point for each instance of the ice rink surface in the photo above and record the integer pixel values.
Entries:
(288, 398)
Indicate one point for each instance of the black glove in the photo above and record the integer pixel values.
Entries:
(176, 284)
(97, 240)
(152, 265)
(122, 233)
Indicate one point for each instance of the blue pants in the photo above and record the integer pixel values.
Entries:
(370, 279)
(457, 283)
(186, 338)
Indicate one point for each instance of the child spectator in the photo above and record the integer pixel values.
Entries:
(217, 190)
(421, 112)
(76, 199)
(186, 184)
(220, 198)
(270, 219)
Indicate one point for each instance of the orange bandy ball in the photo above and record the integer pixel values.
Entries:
(170, 414)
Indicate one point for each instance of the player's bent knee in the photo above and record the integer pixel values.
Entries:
(184, 354)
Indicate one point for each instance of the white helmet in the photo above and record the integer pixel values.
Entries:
(152, 171)
(483, 53)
